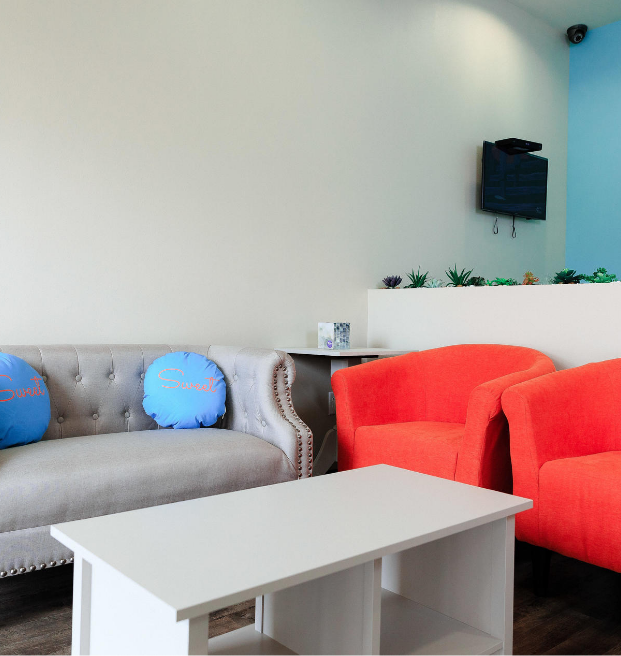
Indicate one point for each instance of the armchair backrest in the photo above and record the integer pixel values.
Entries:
(452, 373)
(570, 413)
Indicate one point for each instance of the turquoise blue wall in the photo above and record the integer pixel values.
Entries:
(594, 152)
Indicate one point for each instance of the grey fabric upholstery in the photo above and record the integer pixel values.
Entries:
(98, 389)
(114, 462)
(32, 548)
(62, 480)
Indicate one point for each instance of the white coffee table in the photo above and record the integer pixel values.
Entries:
(375, 560)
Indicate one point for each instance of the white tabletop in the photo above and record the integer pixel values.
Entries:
(357, 352)
(201, 555)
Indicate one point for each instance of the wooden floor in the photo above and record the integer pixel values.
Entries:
(581, 615)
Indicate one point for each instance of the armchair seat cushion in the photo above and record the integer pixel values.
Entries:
(96, 475)
(580, 508)
(428, 447)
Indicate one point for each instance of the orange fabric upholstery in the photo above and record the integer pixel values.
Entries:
(428, 447)
(566, 454)
(440, 388)
(580, 508)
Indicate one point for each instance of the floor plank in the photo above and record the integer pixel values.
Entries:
(35, 613)
(581, 614)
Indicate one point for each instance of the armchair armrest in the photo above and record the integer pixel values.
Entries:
(486, 436)
(259, 401)
(380, 392)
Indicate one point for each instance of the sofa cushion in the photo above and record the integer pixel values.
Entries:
(24, 403)
(428, 447)
(580, 508)
(184, 390)
(61, 480)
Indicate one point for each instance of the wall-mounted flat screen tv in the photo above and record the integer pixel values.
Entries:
(514, 184)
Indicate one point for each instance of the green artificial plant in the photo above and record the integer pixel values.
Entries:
(502, 282)
(567, 277)
(476, 281)
(457, 279)
(601, 275)
(417, 279)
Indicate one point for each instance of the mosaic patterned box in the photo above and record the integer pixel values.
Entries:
(333, 336)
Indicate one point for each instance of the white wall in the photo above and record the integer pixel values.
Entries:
(235, 171)
(572, 324)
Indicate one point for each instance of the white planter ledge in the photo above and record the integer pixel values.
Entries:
(573, 324)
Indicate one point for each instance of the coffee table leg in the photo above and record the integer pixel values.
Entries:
(81, 619)
(114, 615)
(335, 614)
(467, 576)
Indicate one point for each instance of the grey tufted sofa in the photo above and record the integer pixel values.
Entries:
(114, 460)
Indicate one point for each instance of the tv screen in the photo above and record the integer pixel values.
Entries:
(514, 184)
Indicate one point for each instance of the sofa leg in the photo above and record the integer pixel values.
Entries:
(541, 570)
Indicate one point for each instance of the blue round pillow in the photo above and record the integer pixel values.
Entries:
(184, 390)
(24, 403)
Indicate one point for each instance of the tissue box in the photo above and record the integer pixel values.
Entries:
(333, 335)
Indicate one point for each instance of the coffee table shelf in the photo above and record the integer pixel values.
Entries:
(246, 641)
(411, 628)
(406, 628)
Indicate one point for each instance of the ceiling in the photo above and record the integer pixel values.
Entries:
(564, 13)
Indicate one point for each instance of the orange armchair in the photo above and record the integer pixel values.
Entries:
(437, 412)
(566, 453)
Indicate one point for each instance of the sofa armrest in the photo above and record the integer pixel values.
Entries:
(259, 401)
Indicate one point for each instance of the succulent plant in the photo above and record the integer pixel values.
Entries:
(567, 277)
(476, 281)
(392, 282)
(434, 283)
(530, 278)
(502, 282)
(417, 279)
(457, 279)
(601, 275)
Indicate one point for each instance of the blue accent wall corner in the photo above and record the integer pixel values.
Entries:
(594, 152)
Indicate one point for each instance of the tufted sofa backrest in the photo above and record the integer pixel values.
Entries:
(99, 388)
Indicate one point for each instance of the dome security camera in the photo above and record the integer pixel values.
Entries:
(576, 33)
